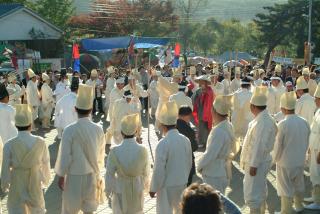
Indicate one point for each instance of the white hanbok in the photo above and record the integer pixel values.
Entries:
(215, 164)
(218, 88)
(256, 152)
(26, 158)
(110, 85)
(173, 162)
(18, 92)
(81, 161)
(314, 147)
(226, 86)
(61, 90)
(289, 155)
(115, 95)
(65, 113)
(235, 85)
(154, 96)
(306, 107)
(47, 100)
(181, 99)
(7, 124)
(33, 98)
(274, 95)
(127, 177)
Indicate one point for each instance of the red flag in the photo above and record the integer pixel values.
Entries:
(177, 50)
(75, 51)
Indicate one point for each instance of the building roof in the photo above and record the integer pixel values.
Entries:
(6, 8)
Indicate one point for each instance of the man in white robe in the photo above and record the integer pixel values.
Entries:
(256, 152)
(18, 92)
(191, 79)
(122, 107)
(33, 96)
(306, 106)
(274, 94)
(61, 87)
(65, 113)
(312, 84)
(236, 82)
(97, 85)
(215, 164)
(128, 170)
(26, 167)
(314, 148)
(153, 93)
(110, 85)
(7, 114)
(80, 159)
(226, 83)
(217, 87)
(241, 114)
(115, 95)
(289, 155)
(173, 162)
(47, 101)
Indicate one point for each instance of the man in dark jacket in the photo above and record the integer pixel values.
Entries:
(183, 126)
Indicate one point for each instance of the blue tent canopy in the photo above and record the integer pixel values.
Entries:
(102, 44)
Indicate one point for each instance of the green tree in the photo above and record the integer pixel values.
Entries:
(287, 25)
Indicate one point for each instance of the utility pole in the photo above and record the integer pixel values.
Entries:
(309, 31)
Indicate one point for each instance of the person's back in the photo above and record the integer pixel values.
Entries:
(7, 129)
(296, 134)
(65, 113)
(306, 107)
(86, 132)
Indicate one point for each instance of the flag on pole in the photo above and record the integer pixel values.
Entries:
(177, 50)
(76, 58)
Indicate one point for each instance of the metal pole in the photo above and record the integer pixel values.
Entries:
(148, 112)
(309, 32)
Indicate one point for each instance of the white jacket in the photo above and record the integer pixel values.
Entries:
(274, 95)
(235, 85)
(259, 140)
(33, 98)
(71, 159)
(220, 145)
(306, 107)
(173, 161)
(65, 113)
(291, 142)
(241, 114)
(7, 124)
(115, 95)
(314, 146)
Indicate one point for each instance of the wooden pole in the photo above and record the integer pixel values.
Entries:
(148, 112)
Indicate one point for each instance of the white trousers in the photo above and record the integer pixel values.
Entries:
(168, 200)
(218, 183)
(79, 194)
(290, 181)
(255, 187)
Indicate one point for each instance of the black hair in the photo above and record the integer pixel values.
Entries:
(23, 128)
(306, 90)
(185, 111)
(261, 108)
(169, 127)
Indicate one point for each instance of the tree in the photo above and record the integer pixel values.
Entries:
(124, 17)
(286, 24)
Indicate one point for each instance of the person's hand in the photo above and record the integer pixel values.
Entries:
(152, 194)
(61, 183)
(318, 158)
(253, 171)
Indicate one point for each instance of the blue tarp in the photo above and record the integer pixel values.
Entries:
(103, 44)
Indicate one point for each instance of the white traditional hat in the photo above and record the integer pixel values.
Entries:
(202, 77)
(23, 116)
(168, 113)
(259, 97)
(223, 104)
(130, 124)
(289, 83)
(288, 100)
(193, 70)
(110, 70)
(94, 73)
(237, 70)
(84, 97)
(225, 70)
(120, 80)
(275, 78)
(31, 74)
(317, 93)
(305, 71)
(301, 83)
(278, 69)
(45, 77)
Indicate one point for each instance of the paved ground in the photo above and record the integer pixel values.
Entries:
(235, 192)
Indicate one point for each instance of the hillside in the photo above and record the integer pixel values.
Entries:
(243, 10)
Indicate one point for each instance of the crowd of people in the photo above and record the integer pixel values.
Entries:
(268, 116)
